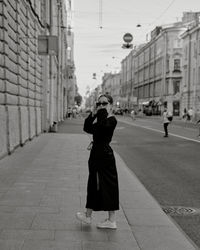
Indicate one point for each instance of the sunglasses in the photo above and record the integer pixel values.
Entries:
(101, 103)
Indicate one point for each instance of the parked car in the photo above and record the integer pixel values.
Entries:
(118, 111)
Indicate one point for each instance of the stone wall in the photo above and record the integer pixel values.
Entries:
(20, 73)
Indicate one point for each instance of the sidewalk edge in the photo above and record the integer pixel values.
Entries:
(129, 172)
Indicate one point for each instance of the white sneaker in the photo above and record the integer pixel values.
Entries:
(107, 224)
(83, 218)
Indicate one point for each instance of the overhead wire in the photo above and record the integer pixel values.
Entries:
(157, 18)
(164, 11)
(100, 14)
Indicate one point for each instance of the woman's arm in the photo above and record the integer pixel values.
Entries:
(104, 124)
(88, 124)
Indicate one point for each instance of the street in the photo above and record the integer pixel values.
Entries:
(167, 167)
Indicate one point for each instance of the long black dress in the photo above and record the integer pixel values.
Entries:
(102, 189)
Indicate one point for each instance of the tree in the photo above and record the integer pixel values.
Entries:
(78, 99)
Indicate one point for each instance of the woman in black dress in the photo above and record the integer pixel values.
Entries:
(102, 188)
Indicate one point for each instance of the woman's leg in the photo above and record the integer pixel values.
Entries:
(111, 216)
(165, 129)
(85, 217)
(88, 212)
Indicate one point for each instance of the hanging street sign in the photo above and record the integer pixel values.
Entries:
(128, 38)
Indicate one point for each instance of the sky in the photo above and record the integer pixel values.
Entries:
(99, 27)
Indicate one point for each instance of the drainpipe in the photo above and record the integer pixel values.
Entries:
(196, 76)
(164, 67)
(50, 69)
(189, 71)
(4, 20)
(58, 64)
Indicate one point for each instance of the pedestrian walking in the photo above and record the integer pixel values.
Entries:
(184, 114)
(102, 187)
(69, 113)
(166, 121)
(133, 115)
(190, 114)
(198, 123)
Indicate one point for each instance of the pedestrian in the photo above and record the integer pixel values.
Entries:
(69, 113)
(133, 114)
(190, 114)
(184, 115)
(74, 112)
(102, 187)
(198, 123)
(166, 121)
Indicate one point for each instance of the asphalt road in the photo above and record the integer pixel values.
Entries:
(168, 167)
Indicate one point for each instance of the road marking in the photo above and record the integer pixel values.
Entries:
(160, 131)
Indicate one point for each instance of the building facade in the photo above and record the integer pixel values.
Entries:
(151, 73)
(33, 53)
(128, 99)
(191, 66)
(111, 85)
(165, 72)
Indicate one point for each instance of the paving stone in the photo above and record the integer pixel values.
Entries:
(39, 209)
(7, 209)
(81, 235)
(140, 199)
(125, 236)
(55, 222)
(147, 217)
(61, 199)
(51, 245)
(109, 246)
(161, 238)
(27, 234)
(16, 220)
(11, 244)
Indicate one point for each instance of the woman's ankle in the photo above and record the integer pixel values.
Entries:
(111, 216)
(88, 213)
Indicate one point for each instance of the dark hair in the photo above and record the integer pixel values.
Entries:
(109, 98)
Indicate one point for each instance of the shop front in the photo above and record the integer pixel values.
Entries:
(152, 108)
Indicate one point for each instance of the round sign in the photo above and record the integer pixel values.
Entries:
(128, 38)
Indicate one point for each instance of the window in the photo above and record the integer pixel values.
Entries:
(199, 46)
(185, 78)
(176, 86)
(195, 49)
(167, 65)
(157, 88)
(146, 91)
(194, 74)
(151, 90)
(198, 76)
(177, 65)
(141, 92)
(167, 87)
(185, 52)
(177, 43)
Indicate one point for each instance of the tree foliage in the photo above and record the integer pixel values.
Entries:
(78, 99)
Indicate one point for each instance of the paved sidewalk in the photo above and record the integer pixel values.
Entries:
(43, 185)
